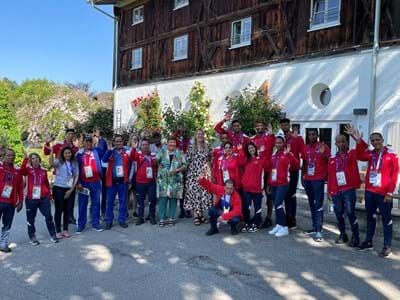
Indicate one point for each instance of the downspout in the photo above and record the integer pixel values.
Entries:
(375, 49)
(115, 66)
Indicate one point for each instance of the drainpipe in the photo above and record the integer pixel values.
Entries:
(375, 49)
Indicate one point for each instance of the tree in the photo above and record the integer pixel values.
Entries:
(102, 119)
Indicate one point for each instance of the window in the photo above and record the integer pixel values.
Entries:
(137, 59)
(321, 95)
(241, 33)
(324, 13)
(181, 3)
(181, 47)
(137, 15)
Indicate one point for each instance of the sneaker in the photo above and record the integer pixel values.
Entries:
(234, 230)
(34, 241)
(108, 226)
(318, 237)
(135, 215)
(161, 223)
(365, 246)
(310, 231)
(354, 241)
(212, 231)
(98, 229)
(54, 239)
(123, 225)
(284, 230)
(140, 221)
(253, 228)
(275, 229)
(245, 228)
(267, 223)
(171, 222)
(342, 239)
(6, 249)
(78, 231)
(153, 221)
(386, 252)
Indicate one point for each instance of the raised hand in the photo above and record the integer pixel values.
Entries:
(322, 148)
(109, 145)
(287, 149)
(295, 133)
(354, 133)
(228, 116)
(270, 130)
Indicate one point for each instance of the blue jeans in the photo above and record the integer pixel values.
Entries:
(372, 202)
(315, 194)
(122, 190)
(278, 196)
(95, 190)
(246, 205)
(6, 215)
(345, 202)
(149, 189)
(44, 206)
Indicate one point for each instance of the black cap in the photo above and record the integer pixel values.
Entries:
(88, 138)
(69, 130)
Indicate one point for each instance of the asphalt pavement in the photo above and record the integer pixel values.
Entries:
(180, 262)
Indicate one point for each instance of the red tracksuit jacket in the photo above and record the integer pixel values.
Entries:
(253, 174)
(387, 167)
(264, 142)
(58, 147)
(235, 138)
(35, 176)
(142, 164)
(346, 163)
(10, 175)
(233, 165)
(296, 147)
(235, 209)
(281, 162)
(311, 154)
(217, 153)
(110, 169)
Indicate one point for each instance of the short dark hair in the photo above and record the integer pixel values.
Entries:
(284, 120)
(156, 135)
(69, 130)
(145, 140)
(236, 121)
(280, 136)
(313, 129)
(118, 136)
(228, 143)
(259, 121)
(376, 133)
(172, 138)
(229, 181)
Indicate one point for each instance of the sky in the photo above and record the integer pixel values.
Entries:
(60, 40)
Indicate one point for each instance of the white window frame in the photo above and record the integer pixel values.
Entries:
(326, 24)
(184, 40)
(242, 43)
(137, 64)
(133, 15)
(180, 3)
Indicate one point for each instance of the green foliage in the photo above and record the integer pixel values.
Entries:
(196, 117)
(148, 111)
(9, 133)
(252, 106)
(102, 119)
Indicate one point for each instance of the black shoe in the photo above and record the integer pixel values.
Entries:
(310, 231)
(54, 239)
(354, 241)
(386, 252)
(148, 218)
(365, 246)
(234, 230)
(267, 223)
(108, 226)
(72, 220)
(188, 214)
(153, 221)
(140, 221)
(212, 231)
(135, 215)
(342, 239)
(292, 224)
(181, 214)
(34, 241)
(123, 225)
(6, 249)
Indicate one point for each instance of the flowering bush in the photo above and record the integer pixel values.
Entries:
(254, 105)
(148, 112)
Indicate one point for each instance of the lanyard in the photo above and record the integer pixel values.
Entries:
(343, 165)
(377, 163)
(275, 159)
(235, 139)
(35, 181)
(70, 168)
(226, 163)
(316, 151)
(226, 201)
(8, 175)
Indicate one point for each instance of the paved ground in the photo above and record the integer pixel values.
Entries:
(148, 262)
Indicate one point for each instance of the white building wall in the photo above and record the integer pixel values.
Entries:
(348, 77)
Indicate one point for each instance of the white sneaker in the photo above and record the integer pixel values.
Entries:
(275, 229)
(282, 231)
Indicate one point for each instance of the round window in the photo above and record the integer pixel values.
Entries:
(177, 103)
(321, 95)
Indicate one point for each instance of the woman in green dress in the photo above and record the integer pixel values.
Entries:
(171, 164)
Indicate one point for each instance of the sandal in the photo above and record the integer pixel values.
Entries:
(161, 223)
(171, 222)
(203, 220)
(197, 221)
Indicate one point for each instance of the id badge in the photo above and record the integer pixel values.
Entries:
(375, 179)
(7, 190)
(239, 146)
(149, 172)
(262, 148)
(88, 172)
(226, 210)
(225, 175)
(36, 192)
(70, 181)
(341, 178)
(311, 170)
(274, 175)
(120, 171)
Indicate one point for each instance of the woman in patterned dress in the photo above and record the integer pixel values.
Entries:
(171, 164)
(198, 199)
